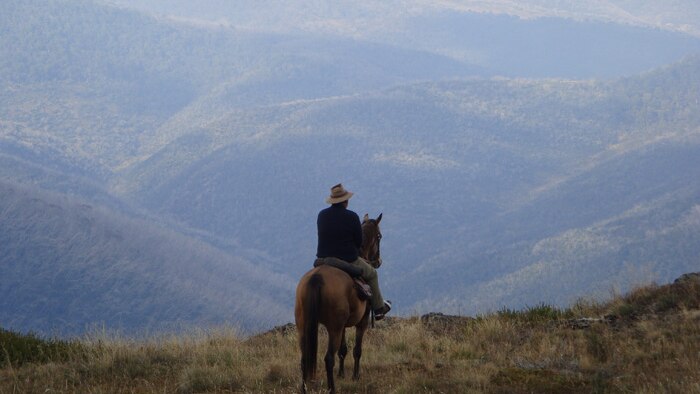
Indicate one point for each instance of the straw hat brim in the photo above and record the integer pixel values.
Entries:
(344, 197)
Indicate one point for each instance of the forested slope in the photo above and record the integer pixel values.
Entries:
(69, 266)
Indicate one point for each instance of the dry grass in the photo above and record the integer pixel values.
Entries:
(656, 349)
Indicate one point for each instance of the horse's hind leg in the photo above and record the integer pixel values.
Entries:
(357, 350)
(342, 352)
(334, 336)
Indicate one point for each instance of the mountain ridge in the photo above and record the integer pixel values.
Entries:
(221, 143)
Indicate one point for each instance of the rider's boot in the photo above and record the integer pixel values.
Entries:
(383, 310)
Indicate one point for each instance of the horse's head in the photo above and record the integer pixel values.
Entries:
(371, 237)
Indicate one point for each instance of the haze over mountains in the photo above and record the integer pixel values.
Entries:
(162, 166)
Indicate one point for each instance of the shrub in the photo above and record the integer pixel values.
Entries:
(17, 349)
(535, 314)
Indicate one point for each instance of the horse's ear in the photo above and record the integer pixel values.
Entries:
(365, 218)
(379, 218)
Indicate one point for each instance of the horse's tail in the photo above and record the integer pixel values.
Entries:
(312, 310)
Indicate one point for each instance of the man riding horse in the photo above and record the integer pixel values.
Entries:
(340, 236)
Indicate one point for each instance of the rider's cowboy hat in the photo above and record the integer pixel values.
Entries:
(338, 194)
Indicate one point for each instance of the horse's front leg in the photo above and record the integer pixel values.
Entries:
(342, 352)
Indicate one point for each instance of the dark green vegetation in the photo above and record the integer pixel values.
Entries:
(158, 173)
(18, 349)
(535, 314)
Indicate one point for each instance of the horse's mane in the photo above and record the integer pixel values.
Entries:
(370, 239)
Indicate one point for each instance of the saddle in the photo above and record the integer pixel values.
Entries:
(364, 292)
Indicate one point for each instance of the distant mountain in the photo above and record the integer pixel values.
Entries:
(69, 266)
(471, 175)
(534, 38)
(629, 220)
(105, 78)
(369, 18)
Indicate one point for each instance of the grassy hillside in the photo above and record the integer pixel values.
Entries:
(644, 341)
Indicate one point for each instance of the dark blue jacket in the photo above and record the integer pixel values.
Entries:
(339, 233)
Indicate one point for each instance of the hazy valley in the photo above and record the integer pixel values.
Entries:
(159, 173)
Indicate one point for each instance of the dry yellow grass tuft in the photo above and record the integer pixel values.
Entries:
(647, 341)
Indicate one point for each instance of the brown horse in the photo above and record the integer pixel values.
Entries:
(327, 295)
